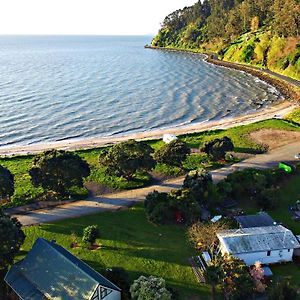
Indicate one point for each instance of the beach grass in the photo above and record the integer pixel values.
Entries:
(129, 241)
(25, 192)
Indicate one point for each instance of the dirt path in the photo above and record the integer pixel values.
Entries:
(116, 201)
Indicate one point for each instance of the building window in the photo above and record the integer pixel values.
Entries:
(269, 253)
(289, 250)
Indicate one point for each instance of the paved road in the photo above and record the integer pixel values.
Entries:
(263, 70)
(116, 201)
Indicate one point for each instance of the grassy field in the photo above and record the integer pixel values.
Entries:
(129, 241)
(25, 192)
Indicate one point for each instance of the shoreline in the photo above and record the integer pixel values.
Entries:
(282, 83)
(276, 110)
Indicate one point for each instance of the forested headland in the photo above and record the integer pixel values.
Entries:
(264, 33)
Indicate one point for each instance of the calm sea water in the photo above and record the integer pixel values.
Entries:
(56, 88)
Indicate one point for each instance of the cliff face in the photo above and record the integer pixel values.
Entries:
(264, 33)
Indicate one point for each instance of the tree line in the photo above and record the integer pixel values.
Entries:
(225, 20)
(58, 171)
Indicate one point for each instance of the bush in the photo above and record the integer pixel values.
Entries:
(172, 154)
(58, 171)
(247, 53)
(176, 206)
(127, 158)
(146, 288)
(217, 148)
(267, 199)
(7, 186)
(90, 234)
(197, 182)
(202, 188)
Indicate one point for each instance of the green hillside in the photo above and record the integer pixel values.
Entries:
(264, 33)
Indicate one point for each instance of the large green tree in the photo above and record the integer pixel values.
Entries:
(200, 184)
(170, 207)
(184, 202)
(11, 239)
(58, 171)
(7, 187)
(172, 154)
(217, 148)
(126, 158)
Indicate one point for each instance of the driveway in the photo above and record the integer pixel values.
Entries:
(117, 201)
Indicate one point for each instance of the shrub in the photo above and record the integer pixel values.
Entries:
(217, 148)
(153, 288)
(267, 199)
(176, 206)
(247, 53)
(7, 186)
(90, 234)
(58, 171)
(127, 158)
(172, 154)
(197, 182)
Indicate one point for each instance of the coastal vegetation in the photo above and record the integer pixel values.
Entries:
(263, 33)
(7, 185)
(12, 238)
(58, 171)
(173, 153)
(127, 158)
(217, 148)
(26, 192)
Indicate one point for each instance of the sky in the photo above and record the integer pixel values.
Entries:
(94, 17)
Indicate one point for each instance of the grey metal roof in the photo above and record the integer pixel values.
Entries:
(255, 239)
(259, 220)
(51, 272)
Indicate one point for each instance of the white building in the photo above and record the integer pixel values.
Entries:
(268, 244)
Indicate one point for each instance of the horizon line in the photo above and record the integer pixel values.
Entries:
(72, 34)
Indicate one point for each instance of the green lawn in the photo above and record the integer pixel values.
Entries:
(129, 241)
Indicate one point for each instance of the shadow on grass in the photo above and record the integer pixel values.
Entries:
(181, 287)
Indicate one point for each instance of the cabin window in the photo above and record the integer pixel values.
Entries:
(268, 253)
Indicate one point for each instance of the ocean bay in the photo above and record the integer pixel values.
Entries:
(55, 88)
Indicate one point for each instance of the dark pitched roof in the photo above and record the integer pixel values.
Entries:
(49, 271)
(260, 220)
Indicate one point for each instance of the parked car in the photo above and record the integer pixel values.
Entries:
(297, 156)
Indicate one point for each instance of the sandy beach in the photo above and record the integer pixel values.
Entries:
(277, 111)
